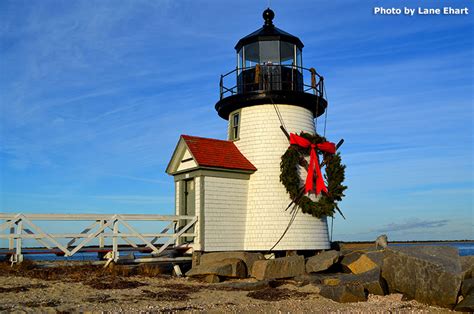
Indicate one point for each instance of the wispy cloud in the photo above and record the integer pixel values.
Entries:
(413, 224)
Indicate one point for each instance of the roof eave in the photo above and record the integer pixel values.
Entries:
(223, 169)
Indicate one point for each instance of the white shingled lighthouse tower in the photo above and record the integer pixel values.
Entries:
(235, 184)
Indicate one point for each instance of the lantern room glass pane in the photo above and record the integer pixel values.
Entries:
(251, 54)
(287, 53)
(299, 60)
(269, 52)
(240, 60)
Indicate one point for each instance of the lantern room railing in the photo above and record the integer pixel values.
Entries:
(262, 78)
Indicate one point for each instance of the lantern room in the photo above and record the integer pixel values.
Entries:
(270, 69)
(269, 59)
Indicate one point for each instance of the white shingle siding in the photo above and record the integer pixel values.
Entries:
(263, 143)
(225, 202)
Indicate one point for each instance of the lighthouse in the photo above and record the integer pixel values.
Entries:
(233, 186)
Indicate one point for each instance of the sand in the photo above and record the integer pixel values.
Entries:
(171, 294)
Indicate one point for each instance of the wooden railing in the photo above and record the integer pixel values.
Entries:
(20, 227)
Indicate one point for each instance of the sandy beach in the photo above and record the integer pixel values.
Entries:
(92, 289)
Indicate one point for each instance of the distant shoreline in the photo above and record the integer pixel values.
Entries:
(338, 242)
(406, 242)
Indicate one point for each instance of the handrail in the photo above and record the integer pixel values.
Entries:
(20, 227)
(272, 65)
(266, 81)
(82, 217)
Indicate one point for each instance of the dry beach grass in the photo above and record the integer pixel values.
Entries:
(27, 288)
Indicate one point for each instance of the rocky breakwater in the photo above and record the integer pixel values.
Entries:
(429, 274)
(432, 275)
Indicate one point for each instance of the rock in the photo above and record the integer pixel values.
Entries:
(344, 293)
(247, 257)
(231, 267)
(382, 241)
(313, 289)
(428, 274)
(239, 269)
(284, 267)
(322, 261)
(313, 278)
(332, 281)
(467, 304)
(212, 278)
(196, 258)
(372, 281)
(217, 268)
(376, 257)
(467, 265)
(357, 263)
(467, 286)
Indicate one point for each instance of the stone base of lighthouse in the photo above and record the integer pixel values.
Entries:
(263, 143)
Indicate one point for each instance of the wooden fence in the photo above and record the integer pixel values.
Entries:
(20, 227)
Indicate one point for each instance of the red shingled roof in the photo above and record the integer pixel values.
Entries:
(217, 153)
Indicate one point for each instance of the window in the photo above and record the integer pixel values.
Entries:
(270, 52)
(234, 126)
(240, 60)
(251, 55)
(287, 53)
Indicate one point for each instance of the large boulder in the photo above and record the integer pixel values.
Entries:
(353, 292)
(467, 304)
(284, 267)
(231, 267)
(212, 278)
(358, 263)
(247, 257)
(376, 257)
(467, 265)
(429, 274)
(371, 280)
(467, 286)
(322, 261)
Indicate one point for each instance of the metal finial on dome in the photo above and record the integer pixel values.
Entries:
(268, 16)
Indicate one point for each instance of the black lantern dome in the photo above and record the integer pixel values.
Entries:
(269, 33)
(270, 70)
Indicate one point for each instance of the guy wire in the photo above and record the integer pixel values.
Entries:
(324, 134)
(278, 113)
(293, 216)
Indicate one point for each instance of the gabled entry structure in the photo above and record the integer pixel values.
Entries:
(211, 182)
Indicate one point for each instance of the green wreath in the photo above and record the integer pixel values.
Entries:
(335, 175)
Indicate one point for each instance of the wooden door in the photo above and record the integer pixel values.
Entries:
(189, 205)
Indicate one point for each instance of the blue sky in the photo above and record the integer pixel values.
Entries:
(94, 96)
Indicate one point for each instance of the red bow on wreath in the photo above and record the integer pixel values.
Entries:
(313, 161)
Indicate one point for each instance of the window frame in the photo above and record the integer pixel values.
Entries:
(235, 128)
